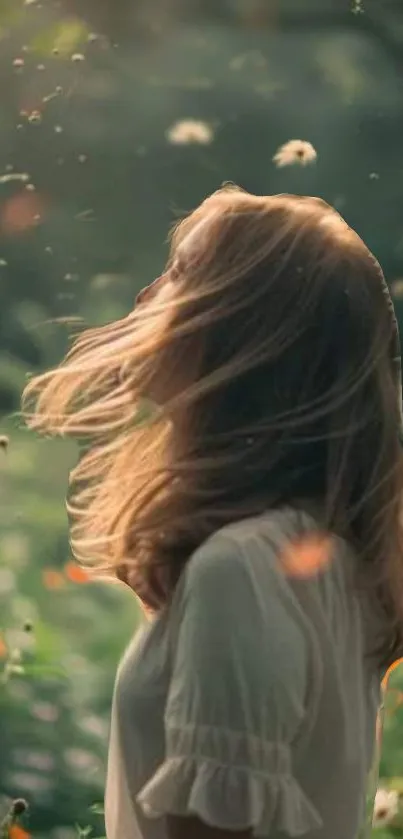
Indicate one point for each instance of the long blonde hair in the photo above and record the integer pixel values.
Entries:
(256, 370)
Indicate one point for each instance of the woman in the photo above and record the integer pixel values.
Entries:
(256, 513)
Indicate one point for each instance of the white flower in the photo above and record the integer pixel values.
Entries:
(190, 131)
(295, 151)
(386, 807)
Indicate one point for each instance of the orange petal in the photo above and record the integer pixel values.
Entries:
(75, 573)
(21, 212)
(3, 648)
(18, 832)
(307, 556)
(52, 579)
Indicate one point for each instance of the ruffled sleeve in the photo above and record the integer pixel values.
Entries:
(236, 701)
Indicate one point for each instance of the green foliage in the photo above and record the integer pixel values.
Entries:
(60, 641)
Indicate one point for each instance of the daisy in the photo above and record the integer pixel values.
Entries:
(386, 807)
(189, 131)
(295, 151)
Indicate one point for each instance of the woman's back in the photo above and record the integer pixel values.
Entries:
(262, 677)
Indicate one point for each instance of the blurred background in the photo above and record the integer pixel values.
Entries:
(116, 116)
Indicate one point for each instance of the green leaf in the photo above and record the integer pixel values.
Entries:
(83, 832)
(97, 808)
(17, 669)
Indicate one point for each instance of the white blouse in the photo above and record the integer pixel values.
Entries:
(250, 702)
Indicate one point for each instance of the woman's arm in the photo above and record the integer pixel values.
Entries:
(180, 827)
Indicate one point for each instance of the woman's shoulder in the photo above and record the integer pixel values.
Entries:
(275, 525)
(243, 562)
(285, 566)
(253, 543)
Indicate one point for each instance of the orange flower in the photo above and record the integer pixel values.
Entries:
(18, 832)
(3, 648)
(52, 579)
(75, 573)
(307, 556)
(21, 212)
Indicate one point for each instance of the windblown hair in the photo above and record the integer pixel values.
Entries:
(266, 349)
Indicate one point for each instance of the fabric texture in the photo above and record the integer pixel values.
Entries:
(228, 793)
(251, 702)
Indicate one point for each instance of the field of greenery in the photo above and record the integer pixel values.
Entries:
(110, 124)
(60, 639)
